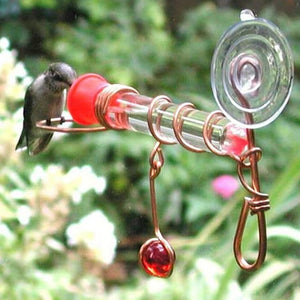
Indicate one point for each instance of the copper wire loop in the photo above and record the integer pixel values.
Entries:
(155, 132)
(244, 158)
(242, 262)
(103, 100)
(182, 111)
(156, 164)
(242, 165)
(212, 118)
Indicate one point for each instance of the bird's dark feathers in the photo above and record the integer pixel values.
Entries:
(44, 99)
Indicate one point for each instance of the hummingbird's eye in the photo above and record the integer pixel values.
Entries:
(57, 77)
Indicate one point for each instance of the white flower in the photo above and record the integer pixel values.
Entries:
(37, 174)
(17, 194)
(19, 70)
(96, 233)
(6, 232)
(86, 180)
(24, 214)
(14, 79)
(74, 183)
(156, 285)
(4, 43)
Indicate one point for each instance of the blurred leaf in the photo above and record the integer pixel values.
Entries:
(267, 275)
(284, 231)
(41, 3)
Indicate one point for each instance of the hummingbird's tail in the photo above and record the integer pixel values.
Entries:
(34, 145)
(21, 145)
(37, 145)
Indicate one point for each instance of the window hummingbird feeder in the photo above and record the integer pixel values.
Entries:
(251, 77)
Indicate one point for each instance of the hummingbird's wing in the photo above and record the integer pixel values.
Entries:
(22, 145)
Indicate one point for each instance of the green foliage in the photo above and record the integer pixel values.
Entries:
(125, 39)
(129, 42)
(27, 4)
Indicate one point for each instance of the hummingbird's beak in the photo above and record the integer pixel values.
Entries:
(70, 82)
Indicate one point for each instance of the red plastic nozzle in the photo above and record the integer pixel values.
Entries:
(82, 96)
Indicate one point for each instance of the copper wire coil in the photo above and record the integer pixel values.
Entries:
(155, 132)
(103, 100)
(182, 111)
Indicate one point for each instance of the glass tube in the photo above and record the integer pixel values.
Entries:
(130, 111)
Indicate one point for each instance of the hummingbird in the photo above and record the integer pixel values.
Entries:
(44, 99)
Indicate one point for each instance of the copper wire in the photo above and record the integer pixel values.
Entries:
(257, 204)
(159, 103)
(259, 201)
(49, 125)
(182, 111)
(212, 118)
(156, 161)
(103, 100)
(248, 160)
(155, 168)
(155, 103)
(101, 106)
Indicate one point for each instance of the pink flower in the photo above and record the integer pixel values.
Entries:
(225, 186)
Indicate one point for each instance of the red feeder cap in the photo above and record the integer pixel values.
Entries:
(82, 96)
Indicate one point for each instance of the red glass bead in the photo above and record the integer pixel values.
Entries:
(156, 259)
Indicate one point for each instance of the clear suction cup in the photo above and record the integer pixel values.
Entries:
(252, 72)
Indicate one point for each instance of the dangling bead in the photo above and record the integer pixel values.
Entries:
(157, 258)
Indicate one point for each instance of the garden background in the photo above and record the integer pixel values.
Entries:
(73, 218)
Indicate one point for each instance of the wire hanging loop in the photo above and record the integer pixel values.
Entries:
(156, 164)
(259, 202)
(156, 160)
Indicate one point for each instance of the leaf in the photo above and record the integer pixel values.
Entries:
(267, 275)
(286, 182)
(284, 231)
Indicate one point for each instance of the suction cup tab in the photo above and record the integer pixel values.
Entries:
(252, 72)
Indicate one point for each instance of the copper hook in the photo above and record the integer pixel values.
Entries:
(242, 262)
(155, 168)
(257, 205)
(259, 202)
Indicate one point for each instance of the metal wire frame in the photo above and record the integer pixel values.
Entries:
(257, 204)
